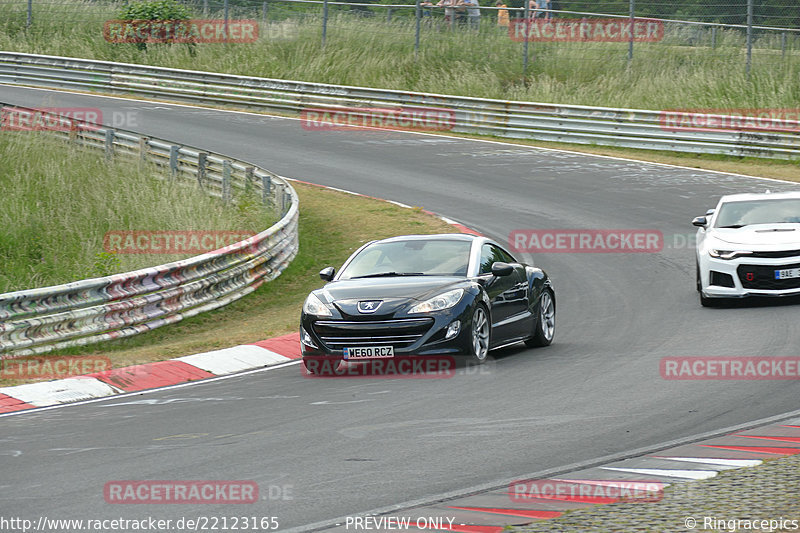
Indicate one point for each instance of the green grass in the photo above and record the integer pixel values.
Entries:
(371, 52)
(59, 201)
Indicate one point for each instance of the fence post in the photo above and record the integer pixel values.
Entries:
(525, 27)
(749, 37)
(205, 8)
(418, 15)
(264, 12)
(713, 37)
(324, 21)
(202, 161)
(73, 130)
(173, 161)
(226, 181)
(30, 14)
(632, 9)
(388, 14)
(783, 44)
(109, 147)
(226, 8)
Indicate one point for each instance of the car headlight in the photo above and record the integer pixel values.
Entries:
(727, 254)
(314, 306)
(446, 300)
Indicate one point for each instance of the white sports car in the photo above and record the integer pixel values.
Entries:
(749, 246)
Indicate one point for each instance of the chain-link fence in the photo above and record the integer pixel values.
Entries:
(564, 32)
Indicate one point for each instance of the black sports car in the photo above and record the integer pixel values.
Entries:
(420, 295)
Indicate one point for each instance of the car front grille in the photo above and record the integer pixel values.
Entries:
(775, 255)
(401, 333)
(762, 277)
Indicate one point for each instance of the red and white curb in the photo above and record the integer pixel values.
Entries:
(151, 375)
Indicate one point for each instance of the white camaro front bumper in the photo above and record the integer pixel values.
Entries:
(723, 278)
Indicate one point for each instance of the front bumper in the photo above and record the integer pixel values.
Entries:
(418, 335)
(746, 276)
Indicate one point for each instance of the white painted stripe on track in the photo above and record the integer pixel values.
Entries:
(488, 141)
(60, 391)
(235, 359)
(150, 391)
(685, 474)
(731, 463)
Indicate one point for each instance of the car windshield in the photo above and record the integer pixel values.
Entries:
(435, 257)
(771, 211)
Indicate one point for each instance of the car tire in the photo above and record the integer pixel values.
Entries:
(480, 336)
(545, 327)
(698, 285)
(321, 366)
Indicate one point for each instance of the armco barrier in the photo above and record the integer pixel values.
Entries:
(39, 320)
(630, 128)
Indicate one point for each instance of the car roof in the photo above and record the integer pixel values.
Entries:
(759, 196)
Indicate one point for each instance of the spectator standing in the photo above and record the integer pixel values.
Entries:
(502, 14)
(473, 14)
(546, 4)
(449, 11)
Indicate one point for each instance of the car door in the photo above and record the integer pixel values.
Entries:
(508, 294)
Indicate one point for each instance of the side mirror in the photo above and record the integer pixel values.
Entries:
(327, 273)
(710, 212)
(700, 222)
(502, 269)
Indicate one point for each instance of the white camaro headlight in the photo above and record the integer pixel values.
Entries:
(446, 300)
(727, 254)
(314, 306)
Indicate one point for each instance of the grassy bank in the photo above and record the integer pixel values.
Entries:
(59, 202)
(327, 237)
(376, 53)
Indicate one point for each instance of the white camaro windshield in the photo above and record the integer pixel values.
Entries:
(738, 214)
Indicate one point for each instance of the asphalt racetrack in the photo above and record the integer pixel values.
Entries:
(326, 448)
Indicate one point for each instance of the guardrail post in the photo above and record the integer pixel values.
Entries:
(202, 161)
(173, 161)
(226, 180)
(266, 189)
(283, 201)
(248, 180)
(109, 148)
(143, 147)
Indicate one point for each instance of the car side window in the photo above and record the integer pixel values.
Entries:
(491, 254)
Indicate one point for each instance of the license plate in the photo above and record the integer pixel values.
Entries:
(368, 352)
(787, 273)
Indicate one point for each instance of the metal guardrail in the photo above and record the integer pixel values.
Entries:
(628, 128)
(93, 310)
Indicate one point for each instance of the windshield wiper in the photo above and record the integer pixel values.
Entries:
(389, 274)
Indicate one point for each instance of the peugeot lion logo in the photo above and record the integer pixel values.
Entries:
(369, 306)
